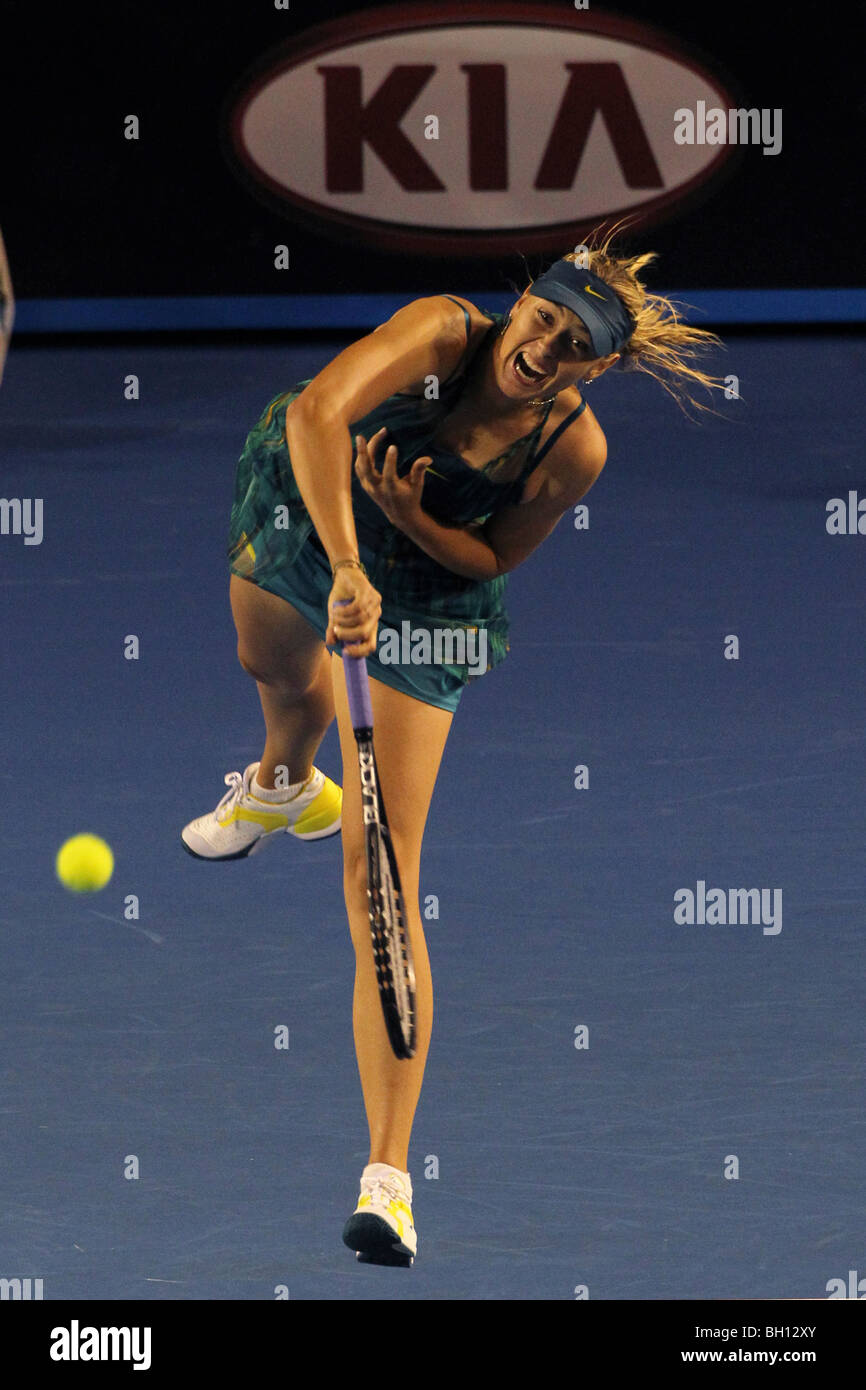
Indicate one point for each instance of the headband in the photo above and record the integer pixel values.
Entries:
(599, 307)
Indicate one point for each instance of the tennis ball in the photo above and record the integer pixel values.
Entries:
(84, 864)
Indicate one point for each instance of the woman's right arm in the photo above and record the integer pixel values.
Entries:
(425, 338)
(422, 339)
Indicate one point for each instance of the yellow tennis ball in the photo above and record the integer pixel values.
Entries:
(84, 864)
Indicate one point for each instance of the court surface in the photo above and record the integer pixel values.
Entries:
(559, 1167)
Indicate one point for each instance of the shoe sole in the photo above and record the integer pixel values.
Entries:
(257, 844)
(384, 1257)
(375, 1242)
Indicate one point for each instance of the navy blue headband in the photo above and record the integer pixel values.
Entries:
(607, 320)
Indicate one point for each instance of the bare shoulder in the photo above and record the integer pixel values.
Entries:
(477, 317)
(442, 321)
(571, 466)
(442, 312)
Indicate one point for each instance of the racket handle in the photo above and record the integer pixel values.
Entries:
(357, 686)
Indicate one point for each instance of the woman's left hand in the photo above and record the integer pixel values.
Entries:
(399, 498)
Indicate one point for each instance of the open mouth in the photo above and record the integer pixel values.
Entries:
(526, 373)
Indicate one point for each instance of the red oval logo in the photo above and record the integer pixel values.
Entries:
(461, 129)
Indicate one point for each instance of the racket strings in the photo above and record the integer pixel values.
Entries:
(391, 946)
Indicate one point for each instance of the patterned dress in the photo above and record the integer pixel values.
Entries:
(438, 630)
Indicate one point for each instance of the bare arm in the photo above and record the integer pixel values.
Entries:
(485, 552)
(424, 338)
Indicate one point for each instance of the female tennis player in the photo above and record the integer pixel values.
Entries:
(472, 439)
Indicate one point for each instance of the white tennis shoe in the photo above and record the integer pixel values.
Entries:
(240, 823)
(381, 1229)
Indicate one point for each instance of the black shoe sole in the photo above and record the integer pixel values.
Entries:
(377, 1241)
(383, 1257)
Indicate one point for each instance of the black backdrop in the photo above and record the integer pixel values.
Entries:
(86, 213)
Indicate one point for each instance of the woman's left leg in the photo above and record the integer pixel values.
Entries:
(409, 740)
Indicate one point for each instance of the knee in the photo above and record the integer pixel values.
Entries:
(251, 661)
(355, 879)
(248, 663)
(293, 684)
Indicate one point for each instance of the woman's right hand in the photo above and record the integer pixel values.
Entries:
(356, 626)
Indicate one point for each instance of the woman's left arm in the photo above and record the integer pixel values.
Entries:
(508, 538)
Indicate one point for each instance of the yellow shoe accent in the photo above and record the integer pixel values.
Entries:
(395, 1207)
(270, 820)
(322, 812)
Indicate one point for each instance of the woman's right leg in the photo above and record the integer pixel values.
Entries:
(410, 743)
(291, 667)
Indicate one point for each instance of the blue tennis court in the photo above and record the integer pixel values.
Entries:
(597, 1067)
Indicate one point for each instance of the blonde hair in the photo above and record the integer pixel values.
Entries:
(662, 345)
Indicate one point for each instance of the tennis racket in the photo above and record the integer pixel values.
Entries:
(389, 928)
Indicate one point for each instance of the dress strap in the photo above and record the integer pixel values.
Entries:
(461, 364)
(534, 438)
(561, 427)
(465, 313)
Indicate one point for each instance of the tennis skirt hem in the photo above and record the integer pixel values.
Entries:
(394, 676)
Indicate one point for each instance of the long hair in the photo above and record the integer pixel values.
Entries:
(662, 345)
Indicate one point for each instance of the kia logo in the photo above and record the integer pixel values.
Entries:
(465, 129)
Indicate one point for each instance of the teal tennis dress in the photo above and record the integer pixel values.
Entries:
(437, 629)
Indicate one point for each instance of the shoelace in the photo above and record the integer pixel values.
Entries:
(391, 1186)
(238, 785)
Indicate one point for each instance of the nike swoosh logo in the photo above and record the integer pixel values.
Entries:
(595, 292)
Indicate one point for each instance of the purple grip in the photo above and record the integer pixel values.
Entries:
(358, 689)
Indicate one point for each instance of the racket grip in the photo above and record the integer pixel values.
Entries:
(357, 688)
